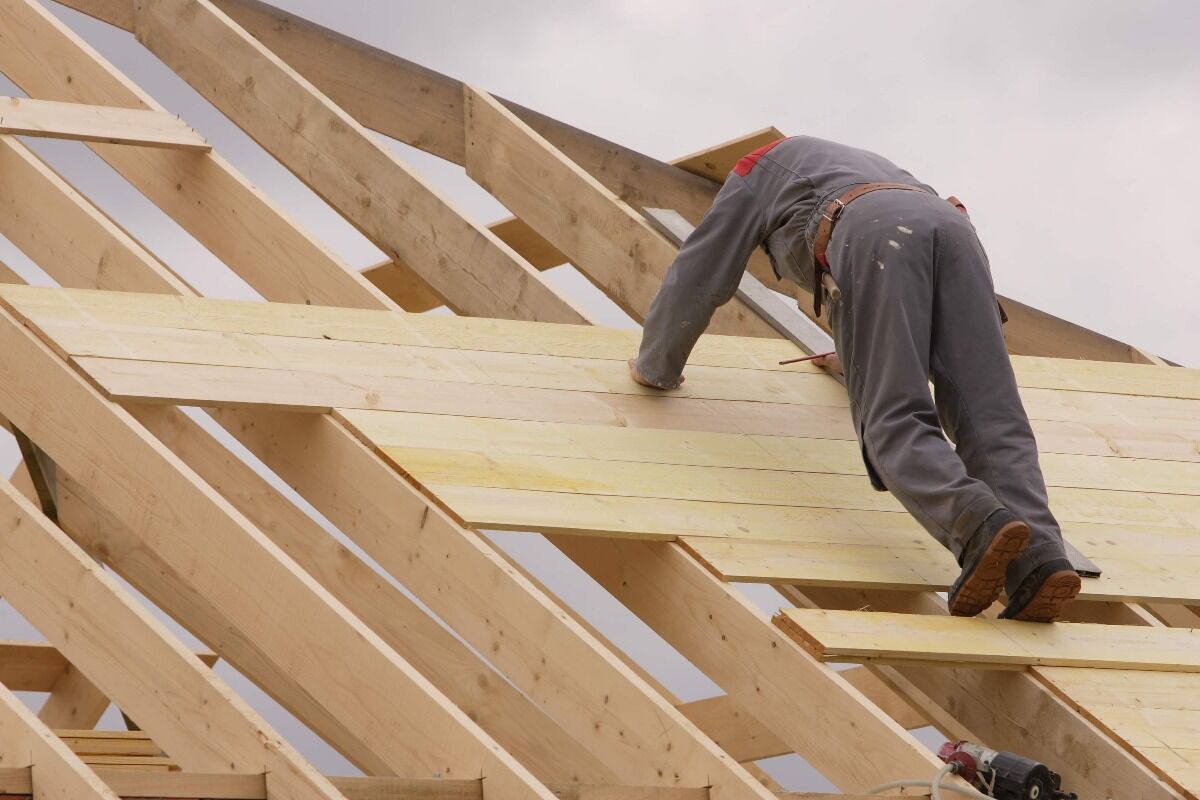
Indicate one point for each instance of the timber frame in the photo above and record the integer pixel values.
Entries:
(487, 685)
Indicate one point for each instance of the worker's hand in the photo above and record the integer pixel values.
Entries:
(637, 377)
(830, 362)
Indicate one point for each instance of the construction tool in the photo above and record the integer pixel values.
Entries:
(813, 357)
(1004, 776)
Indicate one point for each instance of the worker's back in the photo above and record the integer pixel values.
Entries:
(793, 178)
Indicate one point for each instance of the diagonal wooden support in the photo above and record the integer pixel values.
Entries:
(84, 123)
(680, 752)
(59, 589)
(264, 613)
(56, 772)
(351, 169)
(606, 239)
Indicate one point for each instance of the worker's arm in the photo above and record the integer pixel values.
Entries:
(703, 277)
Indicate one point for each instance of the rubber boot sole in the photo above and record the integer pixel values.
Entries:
(986, 581)
(1056, 591)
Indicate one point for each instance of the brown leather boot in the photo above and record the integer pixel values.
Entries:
(1042, 595)
(999, 540)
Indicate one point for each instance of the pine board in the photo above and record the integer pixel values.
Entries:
(880, 637)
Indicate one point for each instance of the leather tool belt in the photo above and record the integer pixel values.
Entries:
(829, 217)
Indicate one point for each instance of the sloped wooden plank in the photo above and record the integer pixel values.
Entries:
(84, 123)
(716, 162)
(882, 637)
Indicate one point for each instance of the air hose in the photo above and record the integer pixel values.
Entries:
(935, 785)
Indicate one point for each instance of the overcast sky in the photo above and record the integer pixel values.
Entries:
(1068, 128)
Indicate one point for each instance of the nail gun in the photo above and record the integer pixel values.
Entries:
(1005, 776)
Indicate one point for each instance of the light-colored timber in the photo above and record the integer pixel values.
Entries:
(410, 434)
(84, 123)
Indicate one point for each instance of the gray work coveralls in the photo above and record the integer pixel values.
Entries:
(917, 301)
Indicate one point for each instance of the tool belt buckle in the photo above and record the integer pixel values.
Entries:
(836, 208)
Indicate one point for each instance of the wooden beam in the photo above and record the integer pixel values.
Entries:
(84, 123)
(613, 245)
(267, 610)
(1010, 710)
(30, 666)
(718, 161)
(74, 702)
(340, 160)
(61, 590)
(212, 201)
(56, 772)
(888, 638)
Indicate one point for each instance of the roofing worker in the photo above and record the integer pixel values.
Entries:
(916, 300)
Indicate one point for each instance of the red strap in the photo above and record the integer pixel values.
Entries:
(747, 162)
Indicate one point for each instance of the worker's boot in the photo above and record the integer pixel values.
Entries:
(984, 560)
(1042, 595)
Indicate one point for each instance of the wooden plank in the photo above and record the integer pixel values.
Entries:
(84, 123)
(223, 210)
(351, 169)
(9, 275)
(62, 591)
(716, 162)
(55, 771)
(602, 236)
(703, 448)
(925, 567)
(344, 662)
(30, 666)
(515, 336)
(883, 637)
(109, 743)
(210, 786)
